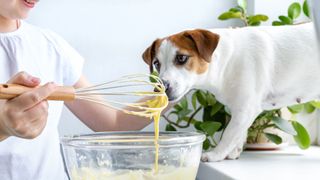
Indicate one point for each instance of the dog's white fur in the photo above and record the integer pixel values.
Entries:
(252, 69)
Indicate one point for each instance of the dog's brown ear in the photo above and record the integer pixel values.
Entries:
(205, 42)
(150, 53)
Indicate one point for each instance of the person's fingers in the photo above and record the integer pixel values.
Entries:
(33, 97)
(25, 79)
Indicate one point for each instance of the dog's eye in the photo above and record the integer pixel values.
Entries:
(181, 59)
(157, 64)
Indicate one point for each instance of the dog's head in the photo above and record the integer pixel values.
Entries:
(181, 58)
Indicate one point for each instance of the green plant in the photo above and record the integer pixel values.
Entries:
(215, 116)
(240, 12)
(273, 119)
(294, 12)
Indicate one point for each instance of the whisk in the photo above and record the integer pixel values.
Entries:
(141, 94)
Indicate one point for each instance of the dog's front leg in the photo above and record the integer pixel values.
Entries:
(235, 153)
(237, 150)
(234, 133)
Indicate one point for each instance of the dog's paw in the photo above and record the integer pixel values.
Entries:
(211, 157)
(235, 153)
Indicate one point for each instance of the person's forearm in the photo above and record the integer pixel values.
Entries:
(101, 118)
(132, 122)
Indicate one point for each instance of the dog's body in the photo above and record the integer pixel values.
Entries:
(249, 70)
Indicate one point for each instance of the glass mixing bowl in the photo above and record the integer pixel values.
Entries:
(131, 156)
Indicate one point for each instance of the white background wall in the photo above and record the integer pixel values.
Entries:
(112, 34)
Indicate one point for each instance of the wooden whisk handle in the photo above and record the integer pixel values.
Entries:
(63, 93)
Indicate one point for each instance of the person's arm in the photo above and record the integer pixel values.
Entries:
(26, 115)
(102, 118)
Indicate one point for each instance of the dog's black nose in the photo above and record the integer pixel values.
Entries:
(166, 85)
(168, 89)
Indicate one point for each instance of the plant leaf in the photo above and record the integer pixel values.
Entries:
(206, 144)
(285, 20)
(277, 23)
(201, 96)
(177, 107)
(197, 125)
(152, 79)
(306, 8)
(179, 120)
(227, 110)
(295, 108)
(302, 138)
(194, 100)
(274, 138)
(294, 10)
(254, 23)
(183, 113)
(174, 112)
(316, 104)
(258, 18)
(215, 108)
(184, 103)
(206, 114)
(284, 125)
(229, 15)
(210, 99)
(309, 107)
(210, 127)
(169, 127)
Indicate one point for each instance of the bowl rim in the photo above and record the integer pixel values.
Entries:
(130, 139)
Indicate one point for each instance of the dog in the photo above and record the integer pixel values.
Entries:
(248, 69)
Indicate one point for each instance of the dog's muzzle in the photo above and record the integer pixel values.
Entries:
(168, 90)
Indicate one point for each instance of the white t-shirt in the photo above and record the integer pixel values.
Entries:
(43, 54)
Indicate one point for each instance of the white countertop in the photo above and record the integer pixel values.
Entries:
(289, 163)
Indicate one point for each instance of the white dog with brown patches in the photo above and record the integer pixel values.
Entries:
(248, 69)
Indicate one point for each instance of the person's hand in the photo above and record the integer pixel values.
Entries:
(26, 115)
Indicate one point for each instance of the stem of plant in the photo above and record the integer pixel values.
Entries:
(258, 135)
(245, 22)
(189, 120)
(215, 143)
(244, 19)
